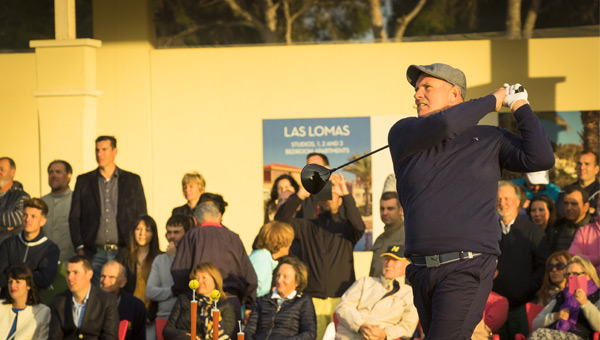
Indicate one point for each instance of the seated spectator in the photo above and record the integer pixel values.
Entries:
(554, 278)
(132, 309)
(160, 281)
(586, 242)
(575, 313)
(137, 259)
(523, 253)
(193, 186)
(542, 212)
(31, 247)
(179, 325)
(379, 307)
(273, 241)
(282, 184)
(286, 313)
(538, 183)
(84, 311)
(214, 243)
(576, 216)
(22, 316)
(12, 197)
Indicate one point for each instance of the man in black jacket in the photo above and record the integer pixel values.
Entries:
(104, 206)
(521, 264)
(326, 246)
(84, 311)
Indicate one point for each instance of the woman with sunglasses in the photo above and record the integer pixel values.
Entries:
(554, 278)
(574, 313)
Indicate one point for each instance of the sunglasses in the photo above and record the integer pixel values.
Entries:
(558, 266)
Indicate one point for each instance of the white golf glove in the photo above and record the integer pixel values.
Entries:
(514, 93)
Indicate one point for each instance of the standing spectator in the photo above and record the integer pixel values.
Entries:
(523, 253)
(392, 216)
(179, 325)
(554, 278)
(105, 203)
(287, 312)
(542, 212)
(132, 309)
(214, 243)
(22, 316)
(83, 311)
(193, 186)
(160, 281)
(273, 241)
(587, 170)
(31, 248)
(12, 197)
(576, 216)
(326, 246)
(379, 307)
(586, 242)
(137, 258)
(59, 204)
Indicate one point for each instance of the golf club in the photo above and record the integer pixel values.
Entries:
(314, 176)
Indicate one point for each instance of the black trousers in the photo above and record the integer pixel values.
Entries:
(451, 298)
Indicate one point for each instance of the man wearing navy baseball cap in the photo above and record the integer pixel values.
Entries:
(447, 169)
(379, 307)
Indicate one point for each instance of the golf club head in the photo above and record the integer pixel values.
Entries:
(314, 177)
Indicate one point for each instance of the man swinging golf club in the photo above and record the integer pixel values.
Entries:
(447, 170)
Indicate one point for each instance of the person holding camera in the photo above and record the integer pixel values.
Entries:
(326, 244)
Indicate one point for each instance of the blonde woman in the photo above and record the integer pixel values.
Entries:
(273, 241)
(193, 186)
(179, 325)
(571, 315)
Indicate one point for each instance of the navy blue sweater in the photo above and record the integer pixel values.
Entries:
(447, 170)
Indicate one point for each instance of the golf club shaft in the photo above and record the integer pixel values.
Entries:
(359, 158)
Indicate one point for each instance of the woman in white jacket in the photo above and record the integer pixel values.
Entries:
(22, 316)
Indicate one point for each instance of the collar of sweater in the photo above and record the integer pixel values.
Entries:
(41, 238)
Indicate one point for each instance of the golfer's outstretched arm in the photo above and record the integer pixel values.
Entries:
(411, 135)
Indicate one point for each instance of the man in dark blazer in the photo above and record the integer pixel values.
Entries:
(84, 311)
(105, 204)
(522, 262)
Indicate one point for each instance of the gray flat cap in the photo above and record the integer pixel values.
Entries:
(445, 72)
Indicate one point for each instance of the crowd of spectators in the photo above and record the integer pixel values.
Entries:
(78, 263)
